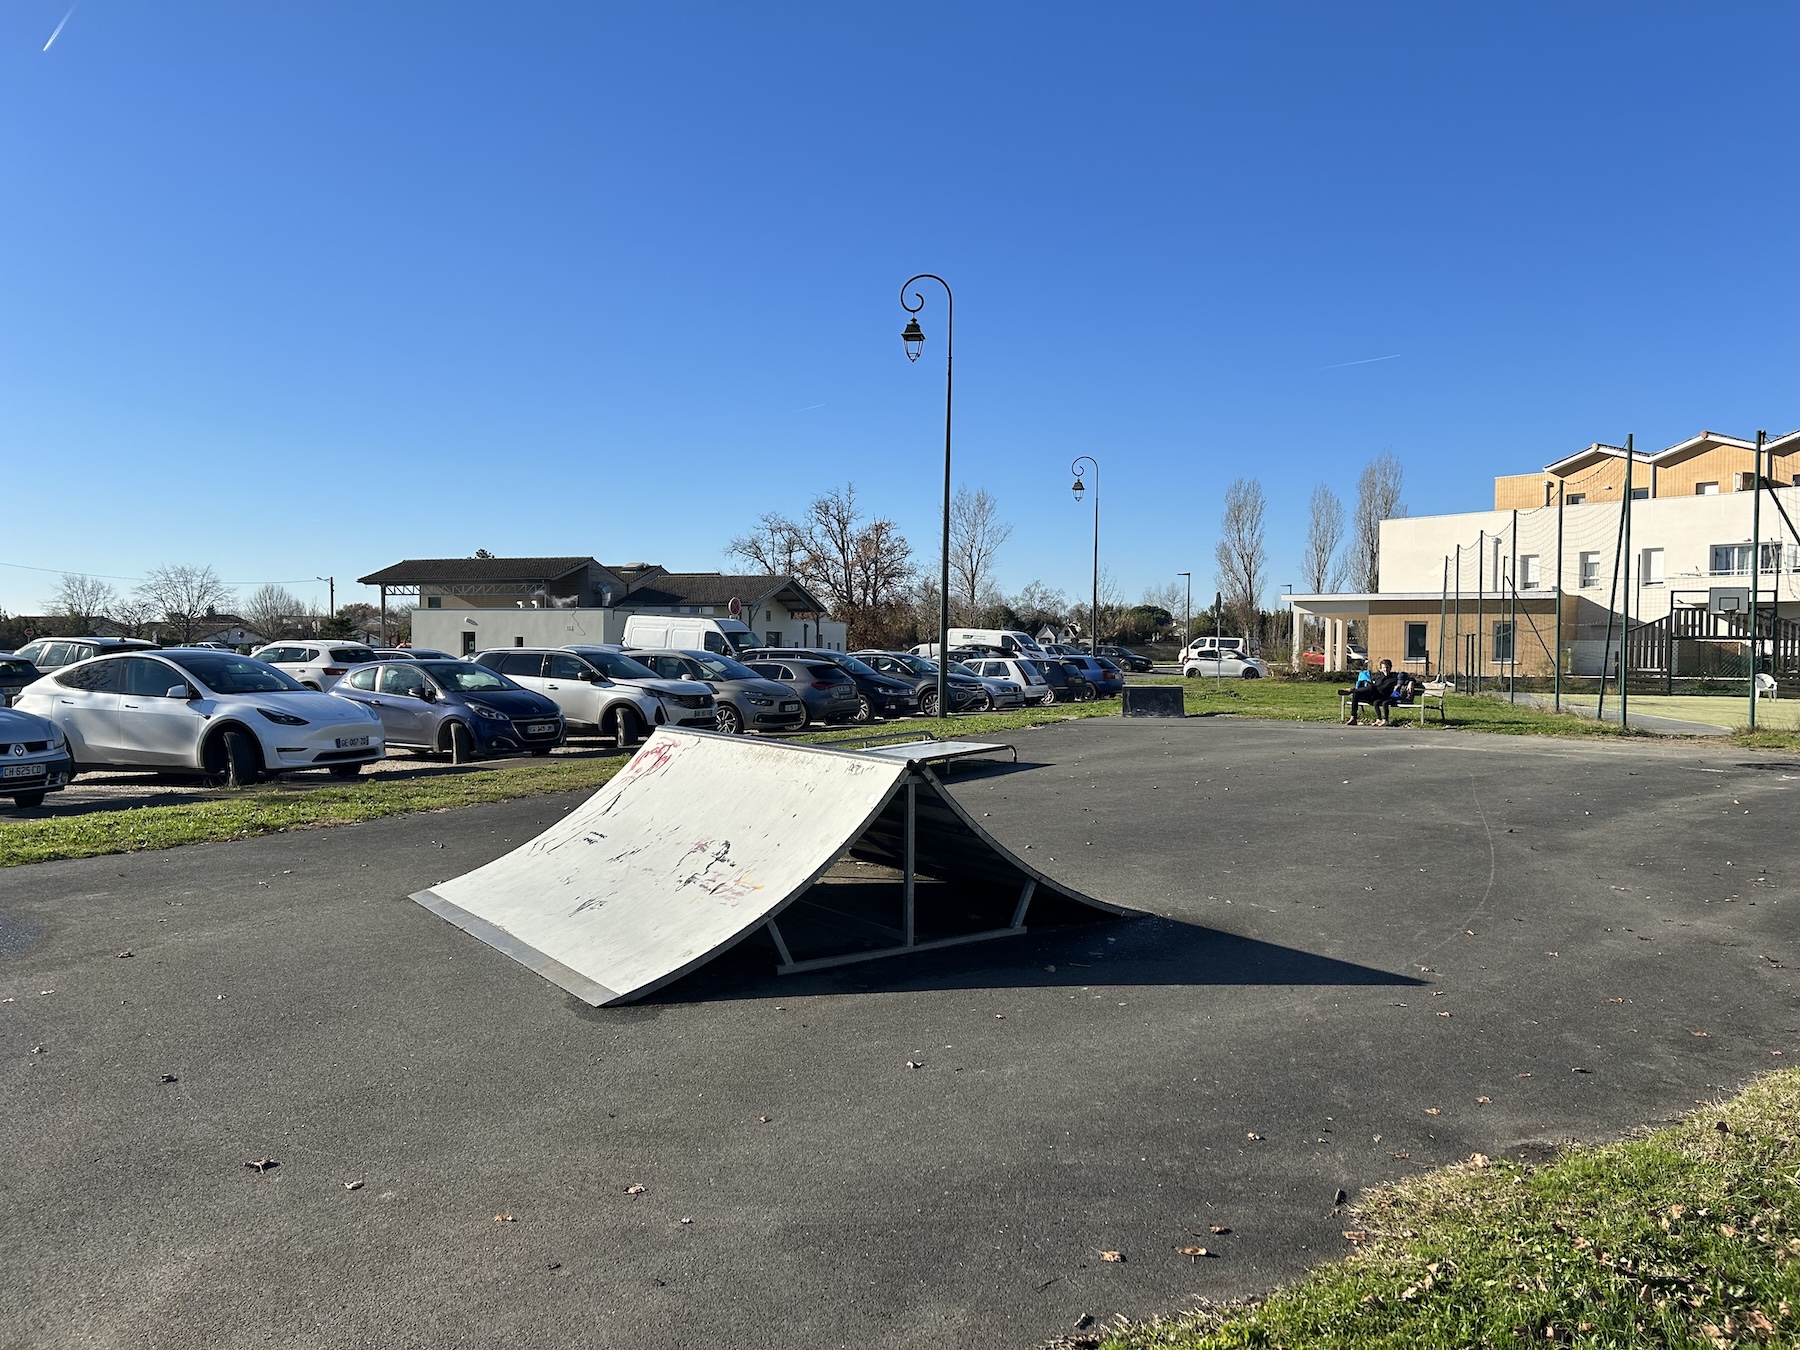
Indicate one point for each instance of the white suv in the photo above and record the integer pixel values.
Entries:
(603, 691)
(317, 665)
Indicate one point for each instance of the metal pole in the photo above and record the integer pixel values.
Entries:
(1443, 617)
(1625, 593)
(1512, 669)
(1094, 598)
(1187, 610)
(1480, 600)
(1556, 656)
(1456, 647)
(1612, 600)
(1218, 640)
(1756, 566)
(943, 652)
(912, 792)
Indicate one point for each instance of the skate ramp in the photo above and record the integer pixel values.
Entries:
(703, 839)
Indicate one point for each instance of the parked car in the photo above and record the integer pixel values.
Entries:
(454, 706)
(1126, 658)
(1356, 654)
(49, 654)
(1001, 641)
(411, 654)
(317, 665)
(1058, 687)
(922, 675)
(743, 700)
(1106, 678)
(34, 758)
(1225, 664)
(878, 695)
(231, 718)
(997, 691)
(15, 673)
(827, 693)
(1313, 656)
(1213, 644)
(604, 692)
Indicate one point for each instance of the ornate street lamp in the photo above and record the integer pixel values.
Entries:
(1081, 490)
(914, 338)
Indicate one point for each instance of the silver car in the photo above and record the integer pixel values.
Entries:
(998, 692)
(34, 758)
(604, 690)
(745, 701)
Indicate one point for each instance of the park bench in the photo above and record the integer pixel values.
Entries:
(1431, 694)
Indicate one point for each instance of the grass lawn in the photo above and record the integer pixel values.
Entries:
(268, 809)
(1687, 1237)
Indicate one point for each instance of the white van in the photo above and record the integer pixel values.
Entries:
(688, 633)
(1007, 641)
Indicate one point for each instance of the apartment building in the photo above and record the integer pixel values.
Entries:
(1665, 541)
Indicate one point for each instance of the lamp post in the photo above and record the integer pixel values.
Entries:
(1094, 602)
(914, 338)
(331, 583)
(1187, 609)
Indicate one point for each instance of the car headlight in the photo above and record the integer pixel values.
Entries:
(57, 739)
(281, 718)
(483, 711)
(762, 700)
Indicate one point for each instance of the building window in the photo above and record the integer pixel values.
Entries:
(468, 644)
(772, 639)
(1529, 574)
(1706, 489)
(1639, 494)
(1575, 498)
(1503, 642)
(1730, 560)
(1590, 570)
(1770, 561)
(1650, 567)
(434, 602)
(1415, 642)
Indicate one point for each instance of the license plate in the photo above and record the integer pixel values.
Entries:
(352, 742)
(541, 729)
(790, 707)
(23, 771)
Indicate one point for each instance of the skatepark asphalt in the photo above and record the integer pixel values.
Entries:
(1368, 952)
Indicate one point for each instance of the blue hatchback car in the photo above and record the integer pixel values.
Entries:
(453, 706)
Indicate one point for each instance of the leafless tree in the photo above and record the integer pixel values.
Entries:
(976, 534)
(84, 598)
(273, 612)
(183, 596)
(1377, 499)
(1038, 606)
(1112, 606)
(862, 569)
(136, 616)
(1241, 554)
(1324, 534)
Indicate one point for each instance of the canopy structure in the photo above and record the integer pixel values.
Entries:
(703, 839)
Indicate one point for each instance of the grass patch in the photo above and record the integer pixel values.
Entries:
(1687, 1237)
(1766, 738)
(1317, 701)
(269, 809)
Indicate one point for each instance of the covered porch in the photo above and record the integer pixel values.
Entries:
(1434, 635)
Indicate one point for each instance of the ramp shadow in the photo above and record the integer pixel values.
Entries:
(1085, 952)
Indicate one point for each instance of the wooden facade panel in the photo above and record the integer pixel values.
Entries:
(1536, 634)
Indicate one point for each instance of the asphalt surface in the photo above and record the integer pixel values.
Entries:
(1373, 951)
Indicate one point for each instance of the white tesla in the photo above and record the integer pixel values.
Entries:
(231, 718)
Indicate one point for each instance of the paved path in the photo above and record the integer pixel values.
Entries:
(1324, 898)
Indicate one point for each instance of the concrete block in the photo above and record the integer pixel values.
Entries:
(1153, 700)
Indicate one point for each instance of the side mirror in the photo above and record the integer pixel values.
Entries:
(426, 693)
(182, 691)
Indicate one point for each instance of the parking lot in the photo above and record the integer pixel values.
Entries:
(1361, 956)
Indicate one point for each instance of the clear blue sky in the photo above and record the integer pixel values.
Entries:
(304, 289)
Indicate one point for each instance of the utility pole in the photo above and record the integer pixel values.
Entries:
(1756, 567)
(331, 583)
(1187, 610)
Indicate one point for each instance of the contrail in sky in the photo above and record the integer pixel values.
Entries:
(59, 27)
(809, 407)
(1367, 360)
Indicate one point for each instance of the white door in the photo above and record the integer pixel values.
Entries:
(153, 727)
(87, 709)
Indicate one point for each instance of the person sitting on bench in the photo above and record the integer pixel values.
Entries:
(1377, 692)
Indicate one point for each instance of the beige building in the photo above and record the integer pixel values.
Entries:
(1552, 576)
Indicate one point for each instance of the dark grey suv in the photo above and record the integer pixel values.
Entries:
(827, 693)
(744, 700)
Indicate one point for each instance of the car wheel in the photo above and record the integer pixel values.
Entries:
(928, 704)
(987, 702)
(459, 741)
(1084, 693)
(310, 685)
(728, 720)
(25, 801)
(628, 727)
(1049, 697)
(865, 711)
(345, 770)
(230, 759)
(806, 717)
(1251, 673)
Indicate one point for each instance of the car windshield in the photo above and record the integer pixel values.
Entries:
(237, 674)
(855, 667)
(617, 666)
(465, 677)
(958, 668)
(353, 656)
(723, 667)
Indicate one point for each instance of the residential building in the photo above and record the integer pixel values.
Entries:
(1547, 576)
(473, 604)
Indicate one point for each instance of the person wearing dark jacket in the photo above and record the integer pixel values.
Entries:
(1377, 692)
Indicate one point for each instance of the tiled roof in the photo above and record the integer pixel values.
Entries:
(706, 588)
(429, 571)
